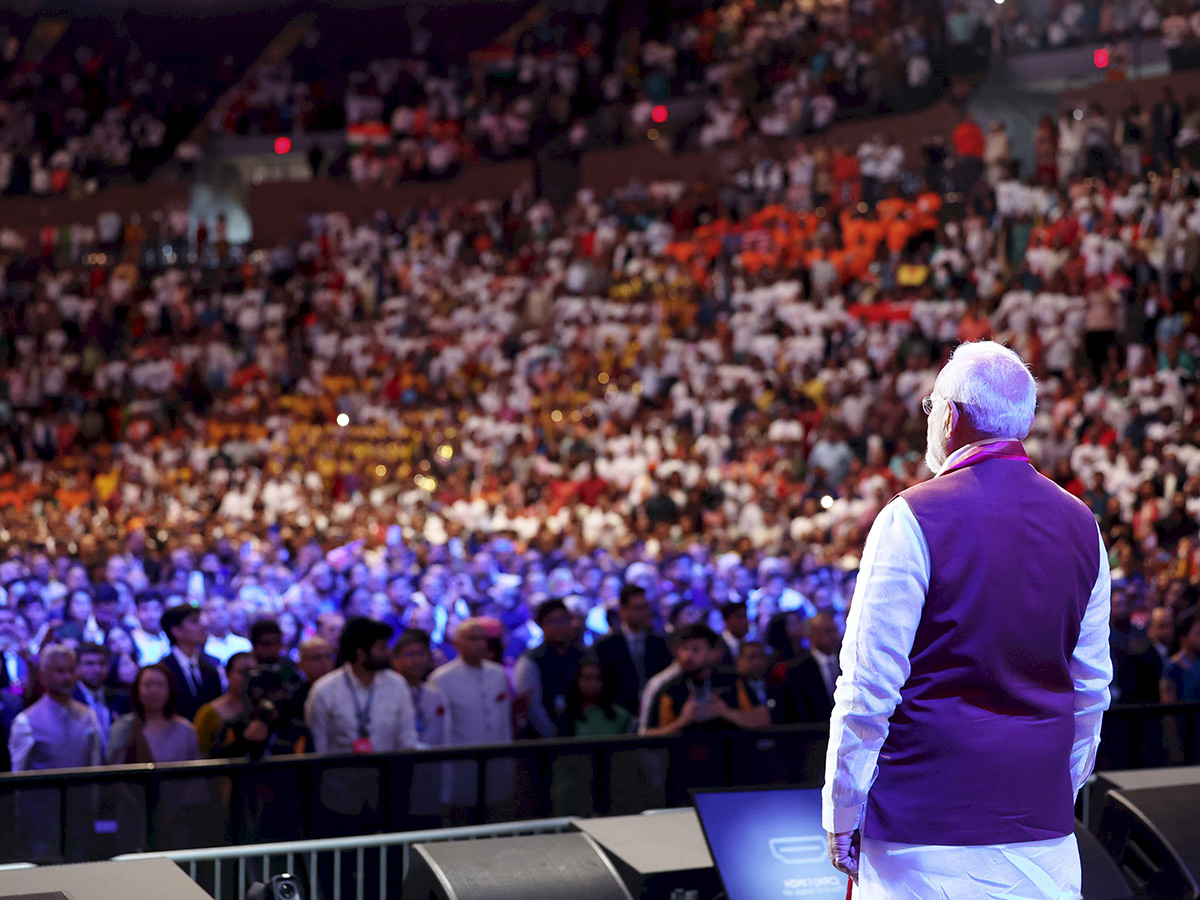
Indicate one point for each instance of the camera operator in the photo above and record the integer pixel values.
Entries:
(268, 729)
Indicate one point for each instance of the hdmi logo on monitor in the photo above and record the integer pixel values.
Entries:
(797, 851)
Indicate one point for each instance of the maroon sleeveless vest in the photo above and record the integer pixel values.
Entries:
(978, 750)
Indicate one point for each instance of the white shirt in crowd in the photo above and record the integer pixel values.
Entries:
(151, 648)
(339, 700)
(221, 649)
(432, 712)
(479, 699)
(886, 609)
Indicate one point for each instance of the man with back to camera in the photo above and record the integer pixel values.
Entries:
(975, 665)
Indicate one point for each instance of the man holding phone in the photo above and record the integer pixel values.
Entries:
(701, 696)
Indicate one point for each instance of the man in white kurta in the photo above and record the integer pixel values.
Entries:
(479, 700)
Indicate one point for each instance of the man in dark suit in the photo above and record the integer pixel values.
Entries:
(107, 703)
(737, 626)
(1139, 665)
(808, 682)
(14, 670)
(632, 655)
(195, 672)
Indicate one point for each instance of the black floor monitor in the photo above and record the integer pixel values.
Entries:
(768, 843)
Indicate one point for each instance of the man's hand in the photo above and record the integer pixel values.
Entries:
(688, 714)
(257, 731)
(843, 852)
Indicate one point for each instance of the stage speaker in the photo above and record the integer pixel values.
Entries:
(1132, 780)
(533, 867)
(127, 879)
(1152, 834)
(657, 854)
(1102, 879)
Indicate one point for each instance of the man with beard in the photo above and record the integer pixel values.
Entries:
(362, 706)
(975, 666)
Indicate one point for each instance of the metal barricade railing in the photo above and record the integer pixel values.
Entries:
(227, 873)
(82, 814)
(91, 814)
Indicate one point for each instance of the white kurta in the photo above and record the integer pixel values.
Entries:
(480, 702)
(880, 629)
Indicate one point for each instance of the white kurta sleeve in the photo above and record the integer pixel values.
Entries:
(316, 717)
(1092, 673)
(20, 743)
(889, 596)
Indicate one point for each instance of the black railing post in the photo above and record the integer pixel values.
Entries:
(481, 788)
(63, 819)
(153, 795)
(602, 763)
(545, 758)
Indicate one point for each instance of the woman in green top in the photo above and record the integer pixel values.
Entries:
(590, 710)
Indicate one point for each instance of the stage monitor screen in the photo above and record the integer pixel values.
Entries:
(769, 844)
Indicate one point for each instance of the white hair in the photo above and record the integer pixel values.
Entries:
(53, 652)
(992, 388)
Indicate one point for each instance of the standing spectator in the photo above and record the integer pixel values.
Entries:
(634, 654)
(968, 141)
(543, 674)
(737, 626)
(229, 707)
(824, 641)
(476, 690)
(149, 637)
(412, 659)
(654, 685)
(267, 728)
(194, 672)
(56, 732)
(266, 643)
(363, 706)
(754, 665)
(590, 710)
(702, 696)
(785, 636)
(1181, 677)
(152, 732)
(1138, 667)
(221, 642)
(107, 703)
(14, 669)
(316, 661)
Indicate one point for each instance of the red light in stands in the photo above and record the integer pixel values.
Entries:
(659, 114)
(1100, 58)
(283, 145)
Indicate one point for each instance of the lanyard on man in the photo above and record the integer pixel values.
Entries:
(362, 712)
